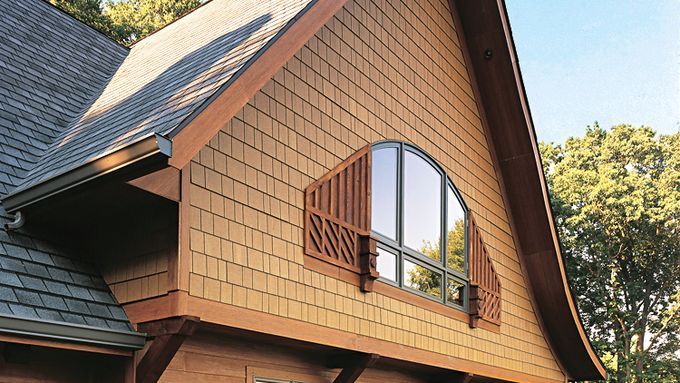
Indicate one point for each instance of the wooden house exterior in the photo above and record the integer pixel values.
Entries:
(244, 244)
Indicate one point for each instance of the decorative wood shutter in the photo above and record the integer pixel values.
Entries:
(485, 286)
(338, 218)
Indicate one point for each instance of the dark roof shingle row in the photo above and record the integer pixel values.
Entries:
(38, 280)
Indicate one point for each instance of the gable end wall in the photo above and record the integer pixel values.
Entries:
(378, 70)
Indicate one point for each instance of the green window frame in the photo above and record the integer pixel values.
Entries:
(428, 269)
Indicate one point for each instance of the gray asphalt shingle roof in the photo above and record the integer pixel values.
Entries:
(166, 77)
(39, 280)
(68, 94)
(51, 68)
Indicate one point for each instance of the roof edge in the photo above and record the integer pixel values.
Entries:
(207, 120)
(494, 63)
(150, 145)
(69, 332)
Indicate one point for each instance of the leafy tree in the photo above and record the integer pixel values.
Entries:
(616, 199)
(127, 21)
(421, 278)
(455, 246)
(87, 11)
(135, 19)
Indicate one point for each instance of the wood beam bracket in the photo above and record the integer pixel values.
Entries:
(368, 262)
(353, 366)
(168, 335)
(453, 377)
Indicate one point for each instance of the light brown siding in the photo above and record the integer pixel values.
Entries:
(378, 70)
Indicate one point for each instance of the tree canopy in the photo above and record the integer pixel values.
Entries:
(616, 199)
(127, 21)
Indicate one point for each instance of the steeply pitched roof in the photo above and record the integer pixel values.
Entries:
(165, 78)
(51, 68)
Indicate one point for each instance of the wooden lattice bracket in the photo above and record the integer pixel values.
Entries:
(485, 285)
(337, 218)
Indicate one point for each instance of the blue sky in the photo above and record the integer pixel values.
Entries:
(607, 61)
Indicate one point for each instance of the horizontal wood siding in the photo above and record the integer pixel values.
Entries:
(213, 358)
(32, 364)
(378, 70)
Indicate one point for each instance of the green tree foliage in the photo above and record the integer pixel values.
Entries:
(455, 246)
(127, 21)
(421, 278)
(616, 198)
(135, 19)
(89, 12)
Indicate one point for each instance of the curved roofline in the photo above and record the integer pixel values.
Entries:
(494, 67)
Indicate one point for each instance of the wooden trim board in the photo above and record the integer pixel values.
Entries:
(64, 345)
(210, 312)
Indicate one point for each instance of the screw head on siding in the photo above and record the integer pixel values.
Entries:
(488, 53)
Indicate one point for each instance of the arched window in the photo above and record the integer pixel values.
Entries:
(420, 222)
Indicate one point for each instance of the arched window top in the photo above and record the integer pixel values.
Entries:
(420, 221)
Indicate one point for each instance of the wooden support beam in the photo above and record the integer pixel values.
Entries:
(355, 367)
(453, 377)
(169, 335)
(164, 182)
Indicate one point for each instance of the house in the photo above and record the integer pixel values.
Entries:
(278, 191)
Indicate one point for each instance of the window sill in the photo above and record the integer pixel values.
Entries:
(397, 293)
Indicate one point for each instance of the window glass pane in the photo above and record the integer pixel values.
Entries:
(422, 206)
(455, 291)
(387, 264)
(420, 278)
(384, 192)
(455, 245)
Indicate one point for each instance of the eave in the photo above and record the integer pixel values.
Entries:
(494, 67)
(149, 146)
(71, 333)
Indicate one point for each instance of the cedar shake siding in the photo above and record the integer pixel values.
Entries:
(378, 70)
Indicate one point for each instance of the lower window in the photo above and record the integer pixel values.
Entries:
(418, 276)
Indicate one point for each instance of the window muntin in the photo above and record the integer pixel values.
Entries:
(426, 208)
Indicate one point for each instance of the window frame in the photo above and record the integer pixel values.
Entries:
(403, 252)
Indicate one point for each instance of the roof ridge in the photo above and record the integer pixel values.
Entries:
(69, 14)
